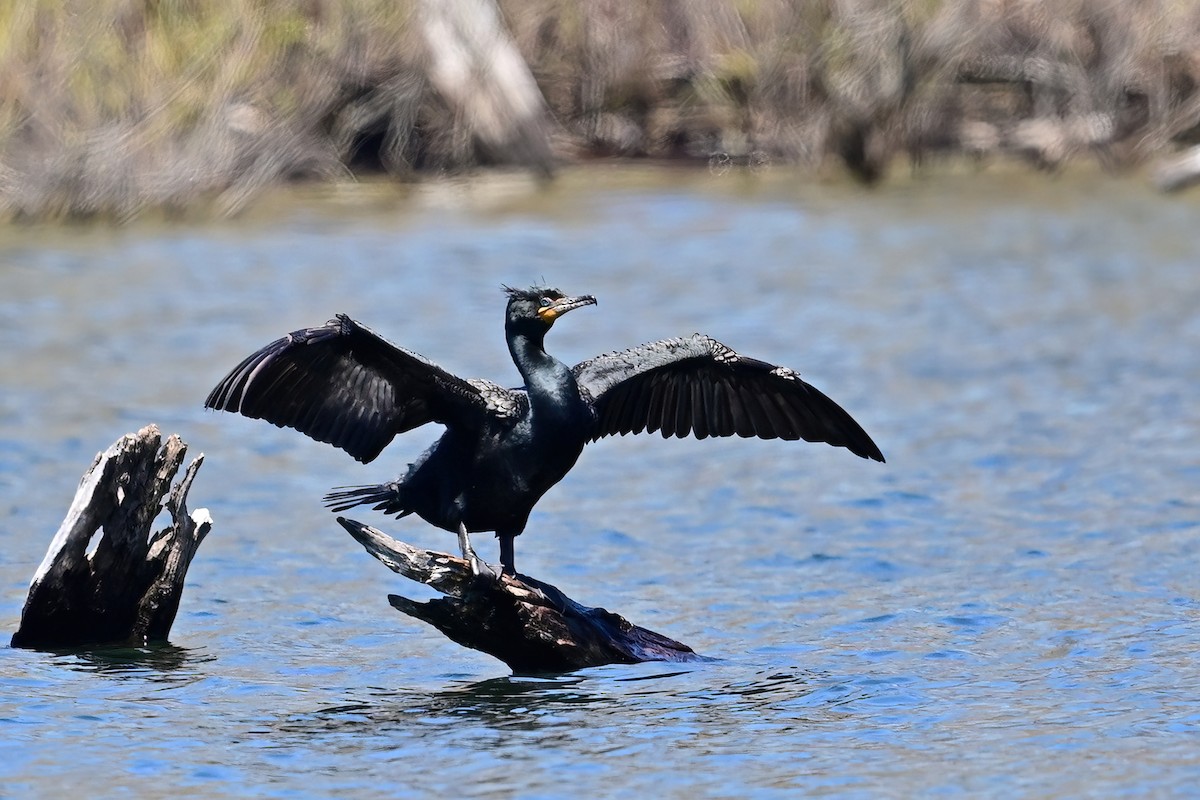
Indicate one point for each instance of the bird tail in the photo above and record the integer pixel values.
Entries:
(386, 498)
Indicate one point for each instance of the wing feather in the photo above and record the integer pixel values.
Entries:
(696, 385)
(741, 420)
(791, 416)
(343, 384)
(640, 412)
(759, 421)
(721, 411)
(655, 394)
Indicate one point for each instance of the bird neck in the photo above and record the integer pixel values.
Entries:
(545, 376)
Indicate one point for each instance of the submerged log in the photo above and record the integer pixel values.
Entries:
(126, 590)
(529, 625)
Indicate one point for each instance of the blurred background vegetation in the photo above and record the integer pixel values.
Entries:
(110, 107)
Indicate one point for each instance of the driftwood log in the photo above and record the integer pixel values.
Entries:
(126, 588)
(529, 625)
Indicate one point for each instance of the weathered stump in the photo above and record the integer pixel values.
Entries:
(529, 625)
(127, 589)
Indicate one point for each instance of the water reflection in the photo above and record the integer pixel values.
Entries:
(499, 704)
(724, 695)
(157, 663)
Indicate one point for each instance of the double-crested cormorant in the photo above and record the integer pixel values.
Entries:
(504, 448)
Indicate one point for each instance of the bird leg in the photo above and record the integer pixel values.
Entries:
(508, 562)
(479, 567)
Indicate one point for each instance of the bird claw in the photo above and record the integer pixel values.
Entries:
(484, 571)
(479, 568)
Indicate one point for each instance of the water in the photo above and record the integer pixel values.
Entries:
(1008, 607)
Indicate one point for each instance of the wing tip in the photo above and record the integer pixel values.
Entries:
(217, 399)
(861, 444)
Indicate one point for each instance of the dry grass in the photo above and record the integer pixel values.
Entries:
(109, 107)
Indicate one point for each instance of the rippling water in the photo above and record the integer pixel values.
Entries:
(1008, 607)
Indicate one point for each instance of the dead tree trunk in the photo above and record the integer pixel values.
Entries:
(127, 589)
(529, 625)
(478, 71)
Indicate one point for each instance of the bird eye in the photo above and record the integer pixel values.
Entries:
(545, 302)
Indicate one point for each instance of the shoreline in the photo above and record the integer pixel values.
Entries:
(176, 108)
(504, 191)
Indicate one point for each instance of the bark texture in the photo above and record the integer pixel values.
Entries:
(529, 625)
(125, 586)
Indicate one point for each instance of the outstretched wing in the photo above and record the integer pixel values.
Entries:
(696, 385)
(346, 385)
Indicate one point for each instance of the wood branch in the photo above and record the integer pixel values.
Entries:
(127, 589)
(529, 625)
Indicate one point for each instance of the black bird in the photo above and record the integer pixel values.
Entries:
(504, 448)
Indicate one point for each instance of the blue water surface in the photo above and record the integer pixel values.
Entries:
(1009, 607)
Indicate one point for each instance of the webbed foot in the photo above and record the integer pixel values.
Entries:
(479, 568)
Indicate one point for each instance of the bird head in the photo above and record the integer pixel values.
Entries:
(540, 306)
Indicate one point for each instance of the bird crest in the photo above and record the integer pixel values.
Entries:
(532, 293)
